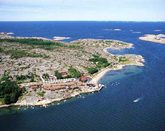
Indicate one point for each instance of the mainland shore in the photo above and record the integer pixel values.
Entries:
(95, 80)
(86, 56)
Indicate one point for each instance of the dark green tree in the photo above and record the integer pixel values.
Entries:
(74, 73)
(92, 70)
(58, 74)
(9, 90)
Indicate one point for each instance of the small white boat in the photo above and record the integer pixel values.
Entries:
(10, 33)
(45, 105)
(101, 85)
(137, 100)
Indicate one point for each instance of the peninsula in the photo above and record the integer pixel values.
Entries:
(36, 71)
(160, 38)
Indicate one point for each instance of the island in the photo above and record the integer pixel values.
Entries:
(36, 71)
(160, 38)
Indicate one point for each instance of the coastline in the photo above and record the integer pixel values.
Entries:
(45, 103)
(94, 80)
(106, 49)
(98, 76)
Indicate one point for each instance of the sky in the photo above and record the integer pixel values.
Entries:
(82, 10)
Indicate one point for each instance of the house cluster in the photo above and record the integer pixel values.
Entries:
(53, 79)
(65, 86)
(53, 84)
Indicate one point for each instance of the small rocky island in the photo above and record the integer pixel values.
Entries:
(36, 71)
(160, 38)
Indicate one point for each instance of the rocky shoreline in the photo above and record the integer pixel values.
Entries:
(47, 102)
(95, 79)
(80, 53)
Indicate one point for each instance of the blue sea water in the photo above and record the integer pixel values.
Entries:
(133, 98)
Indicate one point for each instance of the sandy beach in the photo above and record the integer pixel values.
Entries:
(101, 73)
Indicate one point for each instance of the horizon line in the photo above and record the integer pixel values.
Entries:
(78, 21)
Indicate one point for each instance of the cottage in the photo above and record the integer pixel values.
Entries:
(84, 79)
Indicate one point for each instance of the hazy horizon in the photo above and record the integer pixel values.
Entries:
(82, 10)
(82, 21)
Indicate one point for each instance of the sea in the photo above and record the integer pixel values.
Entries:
(133, 98)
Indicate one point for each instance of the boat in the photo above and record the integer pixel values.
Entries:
(137, 100)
